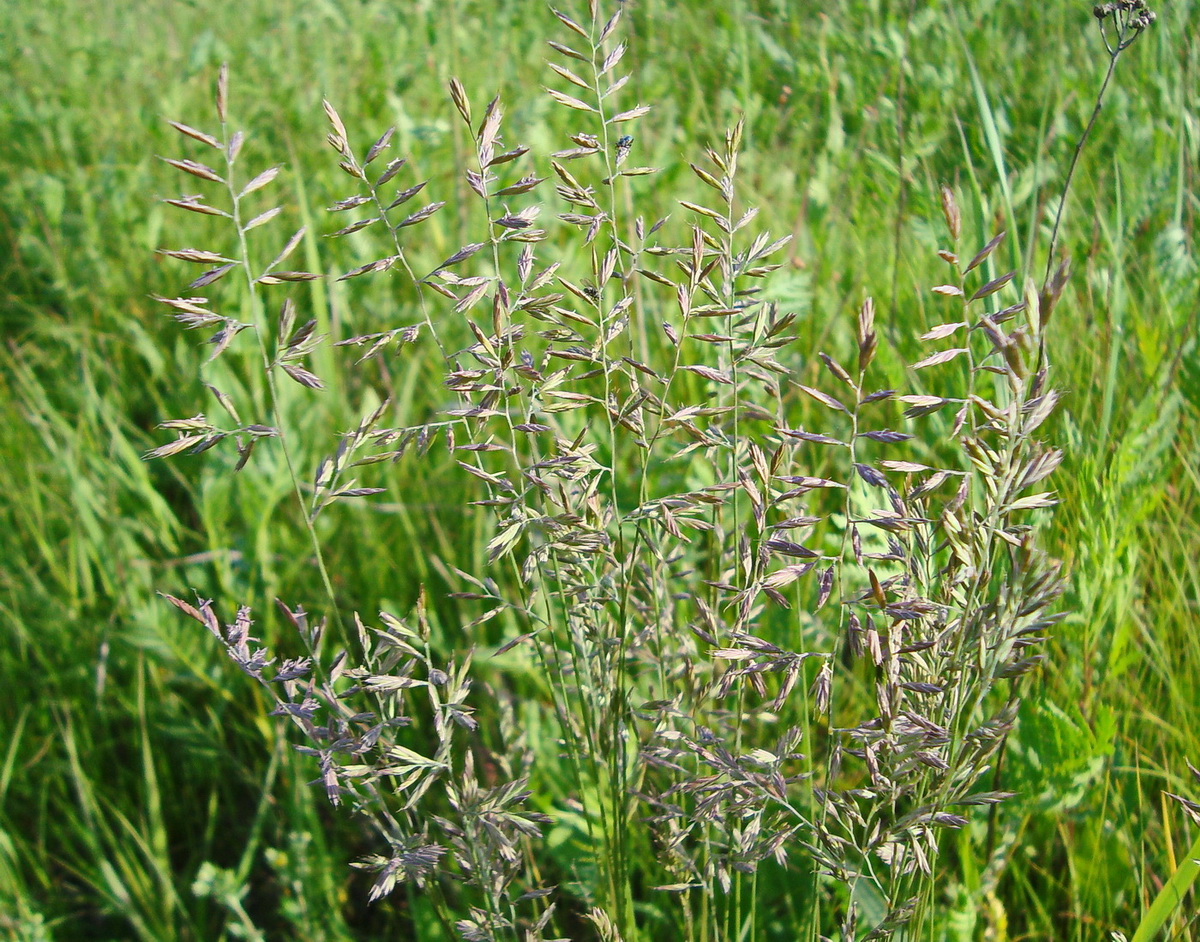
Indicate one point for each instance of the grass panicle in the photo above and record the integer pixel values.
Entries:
(639, 577)
(765, 640)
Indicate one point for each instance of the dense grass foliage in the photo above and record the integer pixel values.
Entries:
(143, 791)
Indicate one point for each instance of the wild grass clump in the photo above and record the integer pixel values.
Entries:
(773, 624)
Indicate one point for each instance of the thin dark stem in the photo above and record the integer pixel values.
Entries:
(1062, 202)
(902, 192)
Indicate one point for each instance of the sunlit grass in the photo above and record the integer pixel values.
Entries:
(137, 758)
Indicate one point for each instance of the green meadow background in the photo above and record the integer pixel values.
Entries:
(142, 787)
